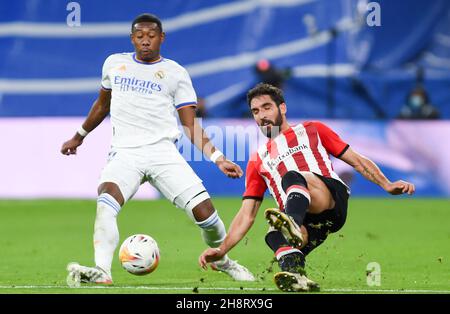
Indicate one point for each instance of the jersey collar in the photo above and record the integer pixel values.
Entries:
(147, 63)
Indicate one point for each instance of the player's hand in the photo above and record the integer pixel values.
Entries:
(210, 255)
(229, 168)
(70, 147)
(400, 187)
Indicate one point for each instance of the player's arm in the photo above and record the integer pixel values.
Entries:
(198, 137)
(372, 172)
(239, 227)
(98, 112)
(339, 149)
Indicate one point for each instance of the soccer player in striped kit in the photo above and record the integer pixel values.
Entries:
(295, 166)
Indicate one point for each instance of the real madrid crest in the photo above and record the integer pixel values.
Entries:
(159, 74)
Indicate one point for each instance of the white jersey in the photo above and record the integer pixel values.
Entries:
(145, 97)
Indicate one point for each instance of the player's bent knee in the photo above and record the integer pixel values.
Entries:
(107, 206)
(293, 178)
(113, 190)
(213, 230)
(203, 211)
(208, 222)
(196, 202)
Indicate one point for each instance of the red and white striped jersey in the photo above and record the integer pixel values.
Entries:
(304, 147)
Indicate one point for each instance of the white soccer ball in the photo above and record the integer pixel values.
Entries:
(139, 254)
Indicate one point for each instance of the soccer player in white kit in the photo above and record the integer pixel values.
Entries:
(142, 91)
(312, 200)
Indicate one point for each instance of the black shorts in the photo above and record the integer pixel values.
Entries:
(330, 220)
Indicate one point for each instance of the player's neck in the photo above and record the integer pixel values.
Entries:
(152, 60)
(283, 128)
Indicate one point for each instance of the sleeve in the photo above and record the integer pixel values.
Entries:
(185, 94)
(330, 140)
(255, 186)
(106, 81)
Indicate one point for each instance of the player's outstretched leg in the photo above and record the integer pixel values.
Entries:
(106, 239)
(282, 250)
(291, 261)
(106, 232)
(82, 274)
(292, 276)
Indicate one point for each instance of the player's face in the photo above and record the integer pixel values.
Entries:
(267, 114)
(147, 40)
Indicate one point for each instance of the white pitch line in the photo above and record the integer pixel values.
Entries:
(387, 290)
(137, 288)
(220, 289)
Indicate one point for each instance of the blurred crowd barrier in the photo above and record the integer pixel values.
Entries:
(31, 165)
(337, 63)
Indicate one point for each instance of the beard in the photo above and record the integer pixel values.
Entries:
(272, 129)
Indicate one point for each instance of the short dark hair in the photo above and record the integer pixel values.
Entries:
(275, 93)
(148, 18)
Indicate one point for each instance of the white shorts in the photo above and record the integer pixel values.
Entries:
(162, 166)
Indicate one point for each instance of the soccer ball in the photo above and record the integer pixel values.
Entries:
(139, 254)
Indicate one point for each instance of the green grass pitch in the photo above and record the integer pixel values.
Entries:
(408, 237)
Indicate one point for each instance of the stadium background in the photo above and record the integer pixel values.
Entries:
(340, 69)
(353, 77)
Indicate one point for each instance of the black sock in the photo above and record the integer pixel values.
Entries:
(296, 206)
(293, 262)
(298, 198)
(275, 240)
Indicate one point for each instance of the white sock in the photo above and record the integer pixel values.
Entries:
(213, 232)
(106, 233)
